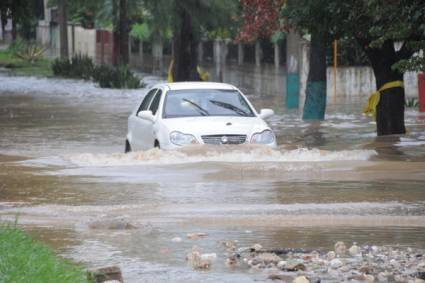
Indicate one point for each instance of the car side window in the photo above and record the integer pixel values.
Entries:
(146, 101)
(155, 102)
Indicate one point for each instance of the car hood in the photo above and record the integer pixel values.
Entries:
(215, 125)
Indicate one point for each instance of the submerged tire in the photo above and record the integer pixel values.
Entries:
(157, 144)
(127, 147)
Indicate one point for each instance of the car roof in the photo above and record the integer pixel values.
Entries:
(196, 85)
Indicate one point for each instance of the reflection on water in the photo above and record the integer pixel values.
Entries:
(62, 167)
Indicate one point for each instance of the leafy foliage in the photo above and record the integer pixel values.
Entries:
(411, 102)
(8, 59)
(371, 22)
(349, 53)
(26, 50)
(115, 77)
(31, 53)
(78, 67)
(24, 13)
(260, 19)
(141, 31)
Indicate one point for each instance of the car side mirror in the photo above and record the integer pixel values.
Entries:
(266, 113)
(146, 114)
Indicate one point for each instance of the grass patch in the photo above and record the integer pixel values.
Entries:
(24, 260)
(19, 66)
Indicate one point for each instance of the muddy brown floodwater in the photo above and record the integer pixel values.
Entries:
(63, 174)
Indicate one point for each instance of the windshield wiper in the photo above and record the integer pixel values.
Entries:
(230, 107)
(201, 110)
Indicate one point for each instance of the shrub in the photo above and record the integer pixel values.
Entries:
(82, 67)
(411, 102)
(79, 67)
(27, 51)
(31, 53)
(118, 77)
(16, 46)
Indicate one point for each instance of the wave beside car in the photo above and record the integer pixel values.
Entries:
(172, 115)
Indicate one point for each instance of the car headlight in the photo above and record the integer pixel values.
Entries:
(265, 137)
(178, 138)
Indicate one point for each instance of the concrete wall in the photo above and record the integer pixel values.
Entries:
(84, 41)
(351, 82)
(81, 41)
(266, 80)
(43, 33)
(360, 81)
(263, 79)
(8, 31)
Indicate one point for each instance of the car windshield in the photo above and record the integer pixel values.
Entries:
(205, 102)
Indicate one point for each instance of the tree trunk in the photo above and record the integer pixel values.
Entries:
(3, 22)
(390, 109)
(292, 97)
(123, 33)
(185, 48)
(14, 27)
(63, 28)
(315, 100)
(120, 24)
(115, 32)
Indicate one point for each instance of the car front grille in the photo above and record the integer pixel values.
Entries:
(224, 139)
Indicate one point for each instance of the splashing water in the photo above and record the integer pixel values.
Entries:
(249, 154)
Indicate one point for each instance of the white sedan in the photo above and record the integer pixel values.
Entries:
(173, 115)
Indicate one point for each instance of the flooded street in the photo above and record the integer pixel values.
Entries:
(63, 173)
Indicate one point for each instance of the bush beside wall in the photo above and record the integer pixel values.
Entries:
(82, 67)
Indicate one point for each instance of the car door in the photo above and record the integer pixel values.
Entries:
(151, 126)
(137, 125)
(144, 127)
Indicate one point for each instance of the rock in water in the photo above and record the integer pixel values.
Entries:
(336, 263)
(331, 255)
(363, 277)
(354, 250)
(421, 275)
(282, 264)
(210, 256)
(176, 240)
(111, 273)
(229, 245)
(301, 279)
(198, 260)
(269, 258)
(111, 224)
(195, 236)
(276, 277)
(383, 276)
(296, 267)
(257, 247)
(231, 261)
(340, 248)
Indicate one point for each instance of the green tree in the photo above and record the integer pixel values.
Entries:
(4, 15)
(376, 25)
(189, 20)
(121, 30)
(313, 17)
(379, 26)
(24, 15)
